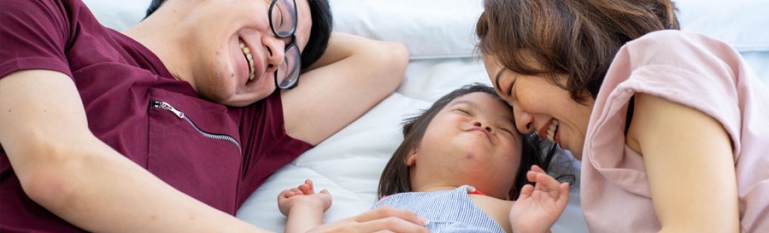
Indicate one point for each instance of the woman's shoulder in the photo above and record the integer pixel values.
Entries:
(675, 44)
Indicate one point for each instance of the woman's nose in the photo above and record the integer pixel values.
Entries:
(523, 121)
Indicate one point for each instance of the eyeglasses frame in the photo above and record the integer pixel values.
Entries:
(290, 45)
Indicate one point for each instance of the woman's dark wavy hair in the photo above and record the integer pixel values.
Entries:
(320, 33)
(396, 176)
(578, 38)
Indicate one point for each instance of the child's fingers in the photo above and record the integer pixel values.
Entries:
(297, 191)
(563, 198)
(536, 168)
(548, 184)
(324, 191)
(526, 192)
(531, 176)
(306, 189)
(287, 193)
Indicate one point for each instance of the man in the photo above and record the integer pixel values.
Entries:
(188, 95)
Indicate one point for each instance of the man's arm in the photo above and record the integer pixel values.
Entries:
(63, 167)
(352, 76)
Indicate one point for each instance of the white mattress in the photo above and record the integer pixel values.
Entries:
(439, 35)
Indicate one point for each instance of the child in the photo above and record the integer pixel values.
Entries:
(459, 166)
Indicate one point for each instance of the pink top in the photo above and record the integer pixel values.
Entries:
(689, 69)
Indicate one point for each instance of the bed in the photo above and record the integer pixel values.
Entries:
(440, 38)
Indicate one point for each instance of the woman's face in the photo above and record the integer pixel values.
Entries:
(472, 140)
(542, 106)
(220, 68)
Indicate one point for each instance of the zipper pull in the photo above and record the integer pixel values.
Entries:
(166, 106)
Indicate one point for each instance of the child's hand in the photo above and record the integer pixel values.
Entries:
(537, 208)
(303, 195)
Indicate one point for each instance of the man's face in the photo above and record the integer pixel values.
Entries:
(228, 32)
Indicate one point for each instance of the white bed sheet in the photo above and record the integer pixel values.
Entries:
(440, 39)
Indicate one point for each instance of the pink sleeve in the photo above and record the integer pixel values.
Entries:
(693, 70)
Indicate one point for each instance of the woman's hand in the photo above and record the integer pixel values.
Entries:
(538, 207)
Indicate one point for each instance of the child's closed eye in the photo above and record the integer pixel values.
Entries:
(467, 112)
(507, 130)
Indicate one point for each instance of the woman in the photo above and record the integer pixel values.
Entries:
(670, 126)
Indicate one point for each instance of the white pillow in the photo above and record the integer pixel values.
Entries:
(743, 24)
(118, 15)
(429, 28)
(446, 28)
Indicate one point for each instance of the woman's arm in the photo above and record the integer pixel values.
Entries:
(689, 164)
(63, 167)
(352, 76)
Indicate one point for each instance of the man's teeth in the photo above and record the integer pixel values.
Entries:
(250, 59)
(551, 130)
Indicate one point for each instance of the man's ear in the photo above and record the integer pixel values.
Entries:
(411, 159)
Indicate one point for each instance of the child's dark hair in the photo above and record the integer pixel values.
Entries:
(395, 176)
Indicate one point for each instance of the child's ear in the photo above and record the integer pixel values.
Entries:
(411, 159)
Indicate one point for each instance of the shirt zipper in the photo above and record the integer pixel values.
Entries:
(180, 114)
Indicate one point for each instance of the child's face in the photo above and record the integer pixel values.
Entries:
(473, 141)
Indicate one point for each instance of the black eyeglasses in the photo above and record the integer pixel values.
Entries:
(283, 20)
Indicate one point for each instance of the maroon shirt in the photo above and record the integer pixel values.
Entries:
(214, 153)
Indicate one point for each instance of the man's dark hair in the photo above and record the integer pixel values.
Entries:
(396, 175)
(320, 33)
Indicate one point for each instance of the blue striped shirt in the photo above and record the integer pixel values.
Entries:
(447, 211)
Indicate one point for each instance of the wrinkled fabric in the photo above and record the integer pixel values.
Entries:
(119, 80)
(692, 70)
(446, 211)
